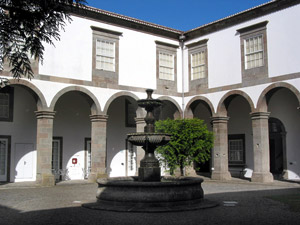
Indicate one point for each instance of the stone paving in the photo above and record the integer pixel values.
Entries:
(240, 202)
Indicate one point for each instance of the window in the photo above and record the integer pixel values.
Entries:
(254, 61)
(105, 67)
(198, 65)
(105, 55)
(236, 149)
(254, 52)
(6, 104)
(166, 66)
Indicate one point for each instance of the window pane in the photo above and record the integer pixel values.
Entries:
(166, 66)
(105, 55)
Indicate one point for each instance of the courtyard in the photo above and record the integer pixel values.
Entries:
(240, 202)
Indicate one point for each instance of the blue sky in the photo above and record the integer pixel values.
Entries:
(179, 14)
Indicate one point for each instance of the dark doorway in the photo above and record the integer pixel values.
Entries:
(277, 136)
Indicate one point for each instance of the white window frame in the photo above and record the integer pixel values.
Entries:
(202, 73)
(103, 55)
(254, 53)
(162, 66)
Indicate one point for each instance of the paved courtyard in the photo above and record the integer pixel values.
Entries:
(240, 202)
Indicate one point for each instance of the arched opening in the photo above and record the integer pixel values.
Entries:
(71, 145)
(121, 156)
(202, 110)
(18, 104)
(168, 110)
(240, 143)
(284, 131)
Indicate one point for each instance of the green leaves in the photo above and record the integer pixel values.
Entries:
(190, 142)
(25, 25)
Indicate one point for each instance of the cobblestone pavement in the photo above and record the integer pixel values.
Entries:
(241, 202)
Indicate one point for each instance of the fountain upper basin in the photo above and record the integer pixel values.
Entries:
(157, 139)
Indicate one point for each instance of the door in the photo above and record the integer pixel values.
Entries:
(277, 146)
(88, 155)
(57, 157)
(24, 160)
(4, 159)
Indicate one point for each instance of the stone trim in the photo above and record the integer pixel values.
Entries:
(167, 87)
(205, 100)
(103, 78)
(106, 31)
(259, 115)
(8, 137)
(99, 118)
(10, 91)
(256, 73)
(262, 100)
(200, 83)
(45, 114)
(249, 83)
(247, 15)
(168, 45)
(219, 119)
(254, 27)
(226, 99)
(90, 97)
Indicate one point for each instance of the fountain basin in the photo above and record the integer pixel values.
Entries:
(129, 194)
(156, 139)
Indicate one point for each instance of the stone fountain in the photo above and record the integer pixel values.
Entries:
(149, 192)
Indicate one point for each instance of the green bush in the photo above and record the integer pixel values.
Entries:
(190, 142)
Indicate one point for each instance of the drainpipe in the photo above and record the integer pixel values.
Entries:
(181, 39)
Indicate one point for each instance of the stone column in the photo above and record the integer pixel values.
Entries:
(98, 147)
(140, 124)
(220, 151)
(44, 175)
(261, 151)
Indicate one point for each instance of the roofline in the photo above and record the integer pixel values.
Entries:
(252, 13)
(125, 21)
(143, 26)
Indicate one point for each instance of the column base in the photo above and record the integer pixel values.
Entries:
(190, 171)
(45, 180)
(262, 177)
(215, 175)
(285, 175)
(92, 178)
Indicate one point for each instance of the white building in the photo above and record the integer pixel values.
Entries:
(241, 75)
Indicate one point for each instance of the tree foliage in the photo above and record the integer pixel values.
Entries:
(25, 25)
(190, 142)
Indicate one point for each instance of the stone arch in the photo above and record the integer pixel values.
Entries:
(91, 98)
(33, 90)
(115, 96)
(226, 99)
(270, 90)
(166, 98)
(188, 109)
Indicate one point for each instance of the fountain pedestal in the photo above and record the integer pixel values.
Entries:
(149, 192)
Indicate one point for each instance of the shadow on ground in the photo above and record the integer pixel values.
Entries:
(249, 207)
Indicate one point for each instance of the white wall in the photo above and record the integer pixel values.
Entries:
(72, 55)
(283, 106)
(224, 53)
(72, 123)
(23, 132)
(116, 136)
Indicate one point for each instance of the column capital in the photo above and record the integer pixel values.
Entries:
(259, 115)
(99, 118)
(219, 119)
(45, 114)
(139, 120)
